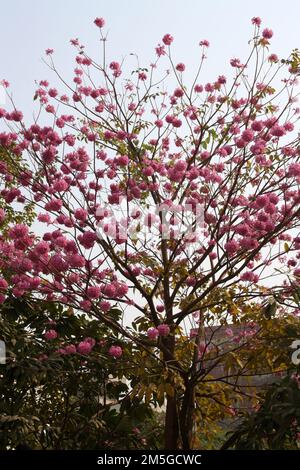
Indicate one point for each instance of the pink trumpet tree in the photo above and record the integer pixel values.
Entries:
(155, 196)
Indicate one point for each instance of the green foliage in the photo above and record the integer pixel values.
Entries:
(276, 425)
(24, 214)
(54, 401)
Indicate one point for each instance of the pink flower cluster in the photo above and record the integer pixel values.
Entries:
(50, 334)
(115, 351)
(161, 330)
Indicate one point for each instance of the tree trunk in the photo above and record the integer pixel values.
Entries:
(179, 418)
(171, 424)
(171, 432)
(179, 425)
(186, 416)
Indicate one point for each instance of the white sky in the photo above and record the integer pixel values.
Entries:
(28, 27)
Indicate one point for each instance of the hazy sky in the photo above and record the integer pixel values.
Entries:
(28, 27)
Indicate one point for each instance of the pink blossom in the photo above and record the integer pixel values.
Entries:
(205, 155)
(70, 349)
(114, 66)
(81, 214)
(85, 305)
(248, 243)
(4, 83)
(142, 76)
(60, 186)
(121, 290)
(75, 260)
(204, 43)
(53, 92)
(198, 88)
(222, 80)
(209, 87)
(50, 334)
(105, 306)
(267, 33)
(115, 351)
(160, 308)
(123, 160)
(41, 248)
(256, 20)
(92, 341)
(3, 284)
(93, 292)
(160, 50)
(109, 290)
(159, 123)
(277, 131)
(180, 165)
(231, 247)
(100, 22)
(178, 92)
(57, 263)
(54, 204)
(18, 231)
(247, 135)
(289, 126)
(190, 281)
(50, 109)
(177, 122)
(294, 169)
(261, 200)
(180, 67)
(167, 39)
(249, 276)
(236, 63)
(152, 333)
(15, 116)
(273, 58)
(163, 329)
(84, 347)
(87, 239)
(257, 125)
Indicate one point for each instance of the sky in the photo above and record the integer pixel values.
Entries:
(135, 26)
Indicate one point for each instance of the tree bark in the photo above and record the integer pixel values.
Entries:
(171, 431)
(171, 425)
(186, 417)
(179, 418)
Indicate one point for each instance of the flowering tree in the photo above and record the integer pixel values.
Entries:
(173, 203)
